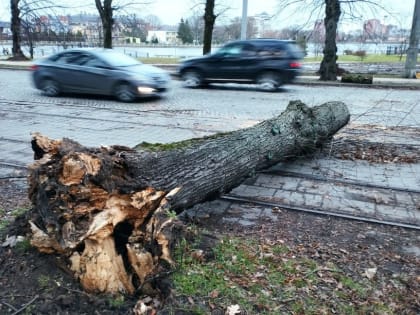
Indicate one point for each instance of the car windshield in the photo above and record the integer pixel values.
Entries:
(296, 51)
(118, 59)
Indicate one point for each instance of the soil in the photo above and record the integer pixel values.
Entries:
(34, 283)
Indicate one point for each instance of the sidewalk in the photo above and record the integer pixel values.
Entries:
(378, 82)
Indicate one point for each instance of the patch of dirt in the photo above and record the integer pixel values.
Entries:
(375, 152)
(376, 144)
(34, 283)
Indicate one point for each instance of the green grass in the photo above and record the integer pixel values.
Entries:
(23, 246)
(5, 218)
(270, 279)
(372, 58)
(162, 61)
(116, 301)
(44, 281)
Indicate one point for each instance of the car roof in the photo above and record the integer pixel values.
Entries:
(88, 49)
(265, 41)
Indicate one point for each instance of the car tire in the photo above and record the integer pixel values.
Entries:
(269, 81)
(192, 79)
(50, 87)
(124, 93)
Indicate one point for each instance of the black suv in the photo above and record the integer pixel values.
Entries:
(267, 62)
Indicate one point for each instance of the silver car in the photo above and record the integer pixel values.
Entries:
(99, 71)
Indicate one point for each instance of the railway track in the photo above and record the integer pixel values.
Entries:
(312, 192)
(348, 199)
(370, 194)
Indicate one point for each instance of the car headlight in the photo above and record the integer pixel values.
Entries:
(145, 90)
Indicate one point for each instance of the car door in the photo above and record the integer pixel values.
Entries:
(234, 62)
(65, 70)
(96, 76)
(82, 72)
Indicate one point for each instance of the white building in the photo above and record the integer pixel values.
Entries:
(163, 37)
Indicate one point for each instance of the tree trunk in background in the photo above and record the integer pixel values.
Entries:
(106, 12)
(15, 27)
(412, 51)
(328, 67)
(209, 19)
(112, 210)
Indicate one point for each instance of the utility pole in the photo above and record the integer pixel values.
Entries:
(244, 18)
(412, 51)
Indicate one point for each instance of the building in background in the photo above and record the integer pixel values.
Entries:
(168, 36)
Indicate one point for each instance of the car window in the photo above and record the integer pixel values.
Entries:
(61, 58)
(117, 59)
(231, 50)
(94, 62)
(238, 50)
(248, 51)
(272, 51)
(74, 58)
(80, 59)
(296, 51)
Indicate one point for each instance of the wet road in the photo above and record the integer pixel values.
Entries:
(182, 114)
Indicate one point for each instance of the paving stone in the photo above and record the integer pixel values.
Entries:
(252, 191)
(404, 198)
(312, 200)
(291, 183)
(399, 213)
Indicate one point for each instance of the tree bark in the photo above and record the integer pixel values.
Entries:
(412, 51)
(209, 19)
(15, 25)
(106, 13)
(111, 210)
(328, 67)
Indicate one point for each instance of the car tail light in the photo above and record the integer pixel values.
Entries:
(34, 67)
(295, 65)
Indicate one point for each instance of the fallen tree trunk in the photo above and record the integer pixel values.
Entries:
(110, 210)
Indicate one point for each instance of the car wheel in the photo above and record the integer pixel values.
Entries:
(192, 79)
(50, 87)
(124, 93)
(269, 81)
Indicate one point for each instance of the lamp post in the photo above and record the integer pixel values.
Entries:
(244, 18)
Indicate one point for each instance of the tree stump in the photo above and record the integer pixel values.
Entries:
(112, 210)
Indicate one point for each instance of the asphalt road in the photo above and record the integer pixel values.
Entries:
(182, 114)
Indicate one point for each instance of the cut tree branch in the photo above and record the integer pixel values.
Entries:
(110, 210)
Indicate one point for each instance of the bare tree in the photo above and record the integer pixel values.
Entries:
(209, 20)
(134, 26)
(153, 22)
(17, 53)
(23, 16)
(333, 10)
(106, 9)
(328, 68)
(232, 31)
(197, 26)
(412, 51)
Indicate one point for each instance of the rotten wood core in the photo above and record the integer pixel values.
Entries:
(110, 210)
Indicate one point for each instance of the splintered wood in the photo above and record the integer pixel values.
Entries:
(110, 210)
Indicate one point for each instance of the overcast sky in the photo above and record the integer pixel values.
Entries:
(171, 11)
